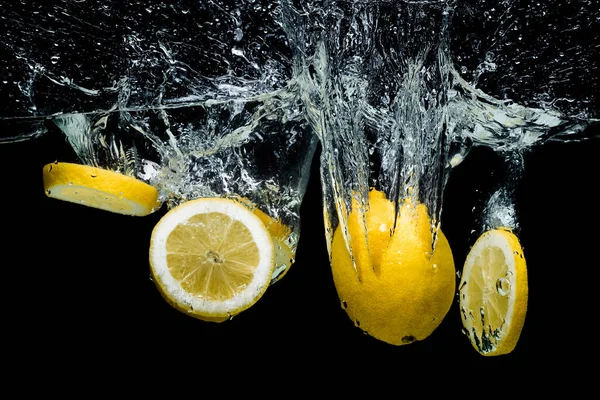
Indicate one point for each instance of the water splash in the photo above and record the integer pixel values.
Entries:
(398, 92)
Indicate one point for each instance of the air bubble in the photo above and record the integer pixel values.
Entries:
(408, 339)
(503, 286)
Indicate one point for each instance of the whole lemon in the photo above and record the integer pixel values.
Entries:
(396, 290)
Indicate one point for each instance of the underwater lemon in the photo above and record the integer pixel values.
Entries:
(493, 292)
(99, 188)
(283, 253)
(211, 258)
(399, 292)
(281, 233)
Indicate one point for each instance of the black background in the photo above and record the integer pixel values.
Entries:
(76, 280)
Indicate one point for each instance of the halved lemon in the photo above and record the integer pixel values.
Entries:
(99, 188)
(493, 292)
(211, 258)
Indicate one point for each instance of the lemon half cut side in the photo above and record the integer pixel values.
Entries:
(493, 292)
(211, 258)
(99, 188)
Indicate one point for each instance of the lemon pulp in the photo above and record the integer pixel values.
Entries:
(211, 258)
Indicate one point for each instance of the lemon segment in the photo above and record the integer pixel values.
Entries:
(99, 188)
(211, 258)
(396, 290)
(493, 292)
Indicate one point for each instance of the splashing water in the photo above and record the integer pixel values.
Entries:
(220, 97)
(382, 91)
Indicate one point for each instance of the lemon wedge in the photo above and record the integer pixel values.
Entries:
(211, 258)
(493, 292)
(99, 188)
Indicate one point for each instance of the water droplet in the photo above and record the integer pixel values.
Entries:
(408, 339)
(238, 34)
(48, 192)
(54, 59)
(435, 268)
(503, 286)
(344, 305)
(71, 184)
(357, 323)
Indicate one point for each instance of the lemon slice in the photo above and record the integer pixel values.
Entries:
(211, 258)
(99, 188)
(493, 292)
(282, 236)
(283, 252)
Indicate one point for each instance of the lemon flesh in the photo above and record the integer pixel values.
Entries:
(99, 188)
(493, 292)
(396, 290)
(211, 258)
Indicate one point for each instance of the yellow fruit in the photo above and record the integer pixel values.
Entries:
(493, 292)
(399, 293)
(281, 236)
(283, 253)
(211, 258)
(99, 188)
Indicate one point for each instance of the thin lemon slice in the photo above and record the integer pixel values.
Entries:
(493, 292)
(281, 235)
(99, 188)
(211, 258)
(283, 240)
